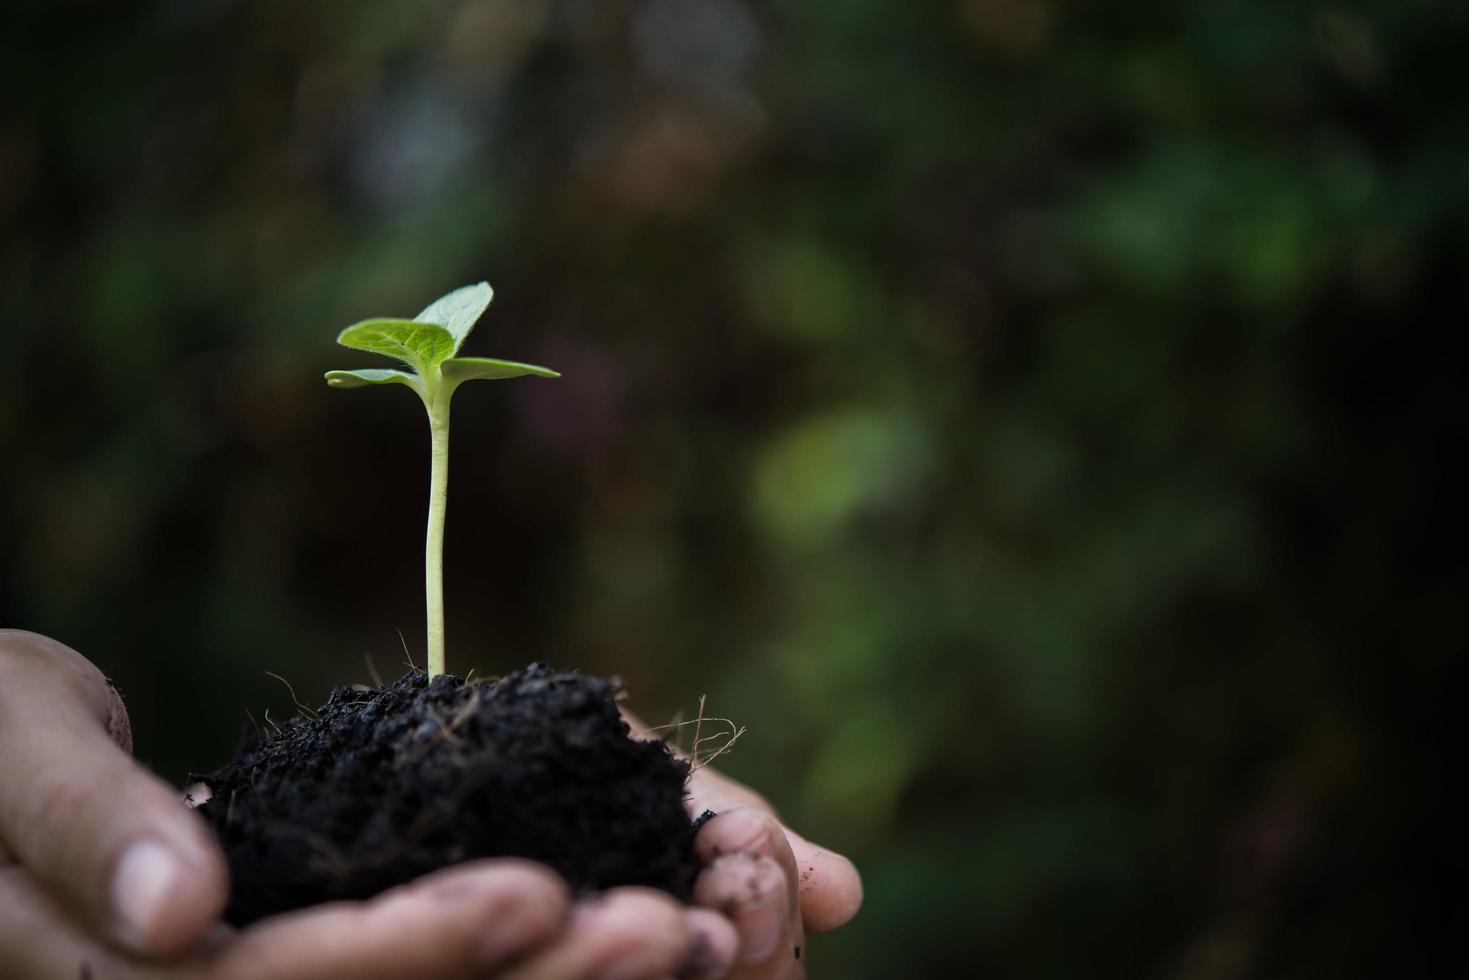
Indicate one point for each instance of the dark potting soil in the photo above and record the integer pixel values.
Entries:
(387, 784)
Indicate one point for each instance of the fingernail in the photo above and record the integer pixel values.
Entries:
(147, 875)
(760, 930)
(743, 830)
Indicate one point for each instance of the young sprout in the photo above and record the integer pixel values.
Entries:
(428, 344)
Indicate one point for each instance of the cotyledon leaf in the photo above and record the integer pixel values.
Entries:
(457, 312)
(419, 345)
(371, 376)
(457, 369)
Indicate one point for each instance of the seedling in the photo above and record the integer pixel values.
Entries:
(429, 345)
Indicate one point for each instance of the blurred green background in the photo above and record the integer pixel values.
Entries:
(1036, 421)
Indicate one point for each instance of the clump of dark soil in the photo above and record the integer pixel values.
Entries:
(387, 784)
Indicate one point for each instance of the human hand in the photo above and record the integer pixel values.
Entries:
(105, 874)
(773, 884)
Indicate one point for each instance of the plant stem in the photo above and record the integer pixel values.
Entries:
(433, 549)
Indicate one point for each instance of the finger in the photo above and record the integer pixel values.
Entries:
(754, 892)
(465, 921)
(36, 939)
(626, 934)
(109, 839)
(829, 889)
(752, 876)
(455, 924)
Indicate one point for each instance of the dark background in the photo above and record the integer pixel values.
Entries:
(1036, 421)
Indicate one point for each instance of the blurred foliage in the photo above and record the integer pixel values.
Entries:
(1034, 420)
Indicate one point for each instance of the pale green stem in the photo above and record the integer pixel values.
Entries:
(433, 549)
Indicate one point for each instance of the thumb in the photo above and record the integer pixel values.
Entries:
(106, 837)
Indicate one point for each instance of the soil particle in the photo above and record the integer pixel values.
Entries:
(387, 784)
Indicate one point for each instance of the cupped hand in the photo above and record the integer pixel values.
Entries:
(771, 883)
(105, 875)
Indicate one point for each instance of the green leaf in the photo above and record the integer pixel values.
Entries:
(458, 311)
(457, 369)
(420, 345)
(370, 376)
